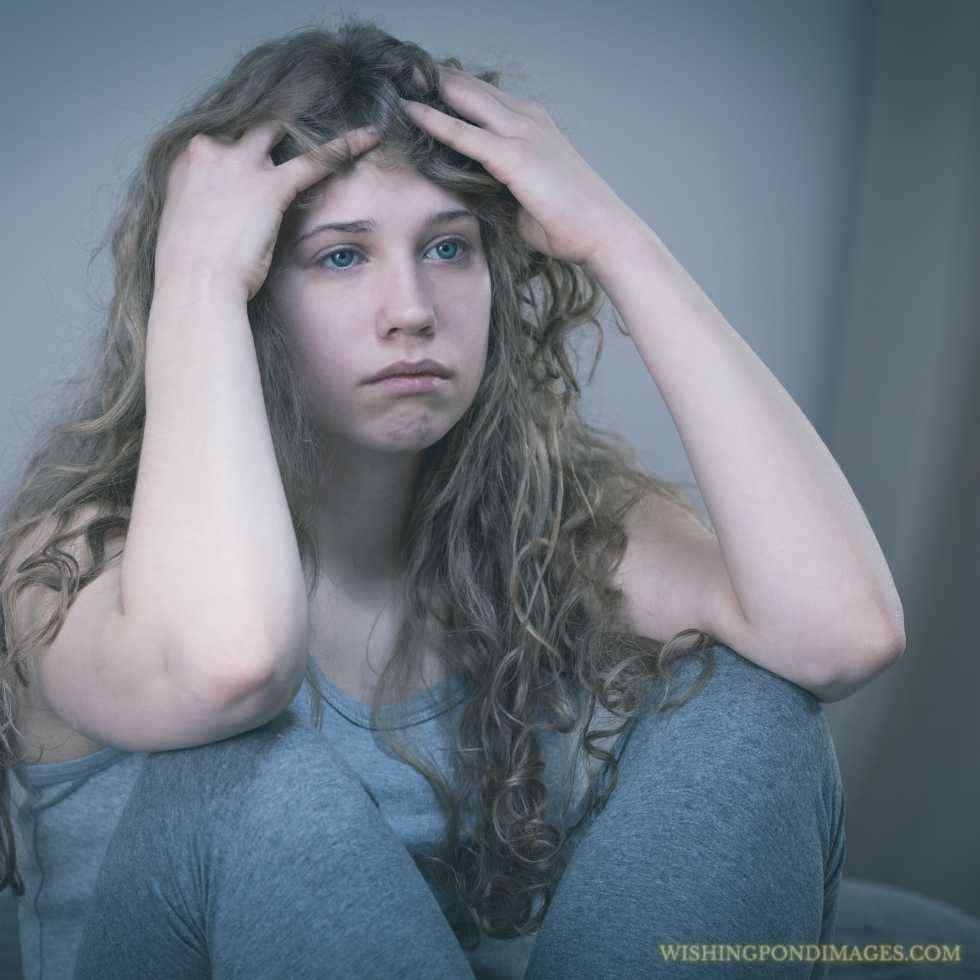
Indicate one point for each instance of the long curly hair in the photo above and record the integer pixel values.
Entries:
(518, 520)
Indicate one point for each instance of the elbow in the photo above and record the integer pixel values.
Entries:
(282, 677)
(857, 665)
(889, 645)
(254, 673)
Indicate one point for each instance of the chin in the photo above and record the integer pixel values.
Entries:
(403, 435)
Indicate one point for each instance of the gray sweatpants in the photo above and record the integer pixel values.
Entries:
(263, 856)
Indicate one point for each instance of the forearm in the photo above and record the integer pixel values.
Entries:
(211, 554)
(801, 556)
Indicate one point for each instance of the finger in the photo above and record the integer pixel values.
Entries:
(307, 168)
(480, 101)
(259, 139)
(513, 103)
(480, 144)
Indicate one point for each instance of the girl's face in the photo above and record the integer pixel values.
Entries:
(403, 281)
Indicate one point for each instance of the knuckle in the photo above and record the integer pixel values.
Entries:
(201, 147)
(517, 154)
(198, 143)
(527, 126)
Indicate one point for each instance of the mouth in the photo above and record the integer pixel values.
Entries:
(409, 383)
(429, 369)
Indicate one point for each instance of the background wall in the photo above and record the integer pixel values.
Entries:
(906, 430)
(813, 166)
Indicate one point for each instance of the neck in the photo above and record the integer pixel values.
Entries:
(361, 518)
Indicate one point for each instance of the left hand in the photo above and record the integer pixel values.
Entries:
(567, 210)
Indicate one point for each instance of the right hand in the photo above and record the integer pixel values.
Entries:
(225, 203)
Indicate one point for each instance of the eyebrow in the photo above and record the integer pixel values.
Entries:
(366, 225)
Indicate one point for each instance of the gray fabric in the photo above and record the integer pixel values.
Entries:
(287, 852)
(727, 826)
(71, 809)
(10, 967)
(63, 816)
(867, 912)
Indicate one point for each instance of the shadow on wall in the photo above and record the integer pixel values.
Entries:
(907, 428)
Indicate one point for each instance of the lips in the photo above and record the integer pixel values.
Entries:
(410, 367)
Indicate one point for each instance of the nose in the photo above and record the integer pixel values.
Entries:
(406, 304)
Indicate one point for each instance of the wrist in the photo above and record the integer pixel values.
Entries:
(196, 287)
(620, 237)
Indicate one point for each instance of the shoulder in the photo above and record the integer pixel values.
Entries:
(671, 571)
(75, 543)
(40, 732)
(35, 601)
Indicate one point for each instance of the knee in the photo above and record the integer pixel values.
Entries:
(738, 782)
(739, 710)
(746, 738)
(276, 773)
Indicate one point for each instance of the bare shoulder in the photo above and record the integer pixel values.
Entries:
(671, 570)
(41, 735)
(76, 545)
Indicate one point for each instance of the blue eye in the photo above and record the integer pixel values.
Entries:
(455, 243)
(339, 251)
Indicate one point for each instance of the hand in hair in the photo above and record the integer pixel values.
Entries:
(565, 204)
(225, 204)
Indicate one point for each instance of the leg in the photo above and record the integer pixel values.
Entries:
(726, 826)
(261, 856)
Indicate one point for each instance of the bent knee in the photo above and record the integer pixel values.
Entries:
(743, 719)
(746, 748)
(739, 696)
(284, 761)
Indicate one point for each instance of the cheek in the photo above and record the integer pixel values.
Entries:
(324, 360)
(320, 339)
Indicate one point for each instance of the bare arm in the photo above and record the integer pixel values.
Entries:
(210, 518)
(200, 630)
(211, 554)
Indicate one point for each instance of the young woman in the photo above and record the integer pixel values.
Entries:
(336, 641)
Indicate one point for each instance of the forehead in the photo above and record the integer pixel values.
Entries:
(376, 187)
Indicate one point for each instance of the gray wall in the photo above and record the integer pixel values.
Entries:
(906, 430)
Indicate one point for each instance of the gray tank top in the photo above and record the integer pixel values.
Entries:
(64, 814)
